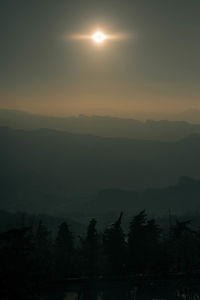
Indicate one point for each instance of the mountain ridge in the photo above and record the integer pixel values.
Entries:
(42, 169)
(101, 125)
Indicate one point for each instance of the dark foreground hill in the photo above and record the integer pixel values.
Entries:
(102, 126)
(43, 170)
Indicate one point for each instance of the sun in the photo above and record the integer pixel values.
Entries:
(99, 37)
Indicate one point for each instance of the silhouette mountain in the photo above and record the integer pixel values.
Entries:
(102, 126)
(46, 170)
(181, 198)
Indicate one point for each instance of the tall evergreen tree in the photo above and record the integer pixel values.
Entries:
(137, 238)
(154, 253)
(18, 278)
(43, 251)
(90, 250)
(64, 252)
(114, 248)
(183, 247)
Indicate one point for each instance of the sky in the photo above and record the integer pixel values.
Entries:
(155, 67)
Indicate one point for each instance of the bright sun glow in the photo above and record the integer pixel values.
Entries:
(99, 37)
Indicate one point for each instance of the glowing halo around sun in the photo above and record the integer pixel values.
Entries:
(99, 37)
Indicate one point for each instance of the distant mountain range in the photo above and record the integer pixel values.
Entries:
(180, 198)
(190, 115)
(9, 220)
(105, 126)
(52, 171)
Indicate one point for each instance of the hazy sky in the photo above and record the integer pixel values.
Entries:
(157, 68)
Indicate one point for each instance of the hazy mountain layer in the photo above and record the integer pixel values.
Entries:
(43, 170)
(180, 198)
(102, 126)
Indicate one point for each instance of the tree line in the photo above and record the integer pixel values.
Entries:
(31, 257)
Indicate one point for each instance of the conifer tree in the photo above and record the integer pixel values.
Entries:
(64, 252)
(114, 248)
(90, 248)
(43, 251)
